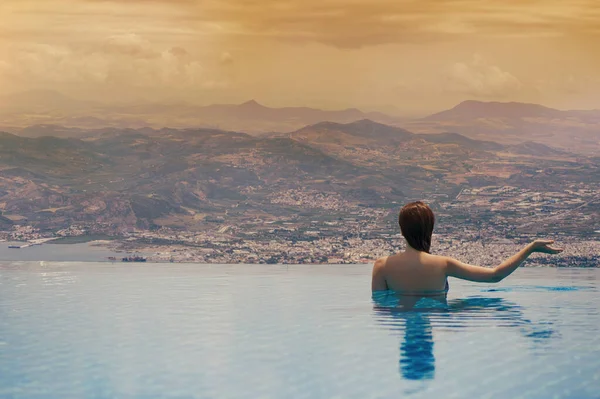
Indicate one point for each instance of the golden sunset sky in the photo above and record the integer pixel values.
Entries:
(410, 57)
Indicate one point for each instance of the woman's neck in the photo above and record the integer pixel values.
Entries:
(411, 250)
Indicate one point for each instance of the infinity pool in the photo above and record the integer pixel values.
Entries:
(92, 330)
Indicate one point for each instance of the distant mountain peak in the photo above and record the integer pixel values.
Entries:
(496, 109)
(252, 104)
(498, 104)
(365, 121)
(365, 129)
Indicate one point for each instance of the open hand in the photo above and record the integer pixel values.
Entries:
(545, 246)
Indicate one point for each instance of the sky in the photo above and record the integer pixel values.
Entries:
(407, 57)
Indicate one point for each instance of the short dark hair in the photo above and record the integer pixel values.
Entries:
(416, 221)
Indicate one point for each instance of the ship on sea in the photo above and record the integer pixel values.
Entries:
(133, 259)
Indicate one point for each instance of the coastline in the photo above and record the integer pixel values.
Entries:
(90, 251)
(100, 249)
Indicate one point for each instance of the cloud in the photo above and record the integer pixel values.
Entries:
(179, 52)
(44, 62)
(291, 52)
(120, 60)
(5, 70)
(568, 84)
(356, 23)
(129, 44)
(345, 24)
(477, 78)
(226, 58)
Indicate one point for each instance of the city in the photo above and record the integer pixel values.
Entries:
(481, 226)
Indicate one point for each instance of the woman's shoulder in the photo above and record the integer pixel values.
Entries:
(389, 259)
(437, 260)
(381, 262)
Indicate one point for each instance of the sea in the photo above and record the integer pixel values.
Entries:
(81, 252)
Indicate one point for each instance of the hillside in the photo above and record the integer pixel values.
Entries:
(477, 109)
(516, 123)
(116, 180)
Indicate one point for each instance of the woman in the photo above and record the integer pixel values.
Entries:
(416, 272)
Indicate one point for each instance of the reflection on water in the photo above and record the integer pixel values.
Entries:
(416, 350)
(417, 317)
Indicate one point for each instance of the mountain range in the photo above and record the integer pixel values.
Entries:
(476, 109)
(53, 108)
(576, 130)
(120, 179)
(40, 113)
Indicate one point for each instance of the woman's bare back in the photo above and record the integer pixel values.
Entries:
(412, 272)
(417, 272)
(420, 273)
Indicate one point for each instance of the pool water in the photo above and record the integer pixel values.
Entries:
(98, 330)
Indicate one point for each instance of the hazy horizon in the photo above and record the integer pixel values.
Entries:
(391, 110)
(403, 57)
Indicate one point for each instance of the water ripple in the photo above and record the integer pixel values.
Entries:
(206, 331)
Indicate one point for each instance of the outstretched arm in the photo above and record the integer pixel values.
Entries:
(455, 268)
